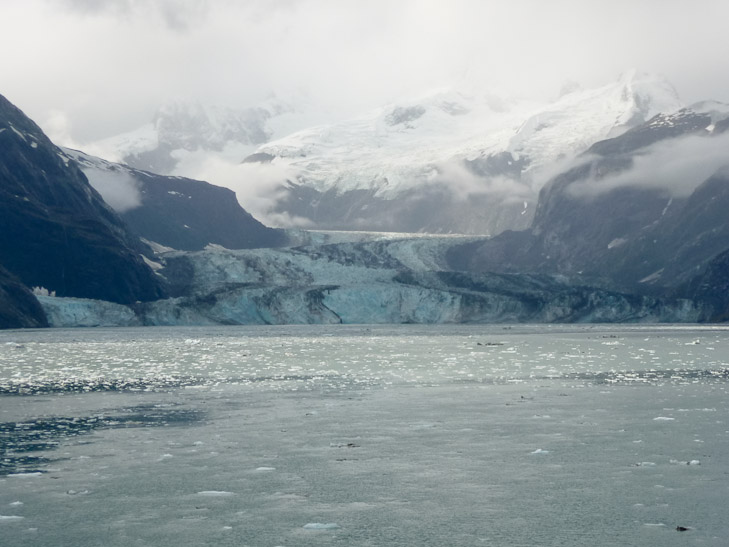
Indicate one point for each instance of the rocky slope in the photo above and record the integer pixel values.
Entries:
(18, 307)
(175, 212)
(642, 212)
(57, 232)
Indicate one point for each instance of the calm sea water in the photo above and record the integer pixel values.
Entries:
(386, 435)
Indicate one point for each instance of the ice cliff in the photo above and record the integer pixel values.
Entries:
(384, 281)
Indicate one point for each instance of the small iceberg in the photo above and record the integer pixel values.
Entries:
(321, 526)
(540, 451)
(215, 493)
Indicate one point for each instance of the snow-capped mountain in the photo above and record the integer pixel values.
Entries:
(180, 129)
(451, 161)
(456, 160)
(402, 146)
(643, 212)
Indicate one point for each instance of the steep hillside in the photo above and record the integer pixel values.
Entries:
(57, 232)
(644, 211)
(175, 212)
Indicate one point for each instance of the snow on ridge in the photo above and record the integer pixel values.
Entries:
(397, 147)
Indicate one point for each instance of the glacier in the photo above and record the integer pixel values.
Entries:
(361, 282)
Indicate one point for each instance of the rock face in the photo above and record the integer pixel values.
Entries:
(57, 232)
(643, 212)
(710, 289)
(18, 307)
(176, 212)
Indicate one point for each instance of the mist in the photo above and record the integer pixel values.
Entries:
(677, 166)
(106, 65)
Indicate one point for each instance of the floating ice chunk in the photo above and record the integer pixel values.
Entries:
(216, 493)
(692, 462)
(645, 464)
(16, 504)
(321, 526)
(663, 419)
(10, 518)
(540, 451)
(25, 475)
(655, 524)
(265, 469)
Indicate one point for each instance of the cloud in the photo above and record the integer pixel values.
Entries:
(258, 186)
(177, 15)
(108, 64)
(118, 189)
(462, 183)
(677, 166)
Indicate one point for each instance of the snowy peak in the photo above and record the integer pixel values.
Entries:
(581, 117)
(192, 126)
(181, 128)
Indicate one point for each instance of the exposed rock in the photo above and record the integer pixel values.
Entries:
(57, 232)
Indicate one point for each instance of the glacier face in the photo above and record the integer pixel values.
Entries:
(83, 312)
(382, 281)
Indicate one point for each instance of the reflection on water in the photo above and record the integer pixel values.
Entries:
(19, 440)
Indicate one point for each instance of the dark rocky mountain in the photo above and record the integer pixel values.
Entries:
(710, 289)
(57, 232)
(18, 307)
(176, 212)
(609, 222)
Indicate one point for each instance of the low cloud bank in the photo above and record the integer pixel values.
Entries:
(677, 166)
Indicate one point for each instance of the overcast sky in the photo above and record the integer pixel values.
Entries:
(94, 68)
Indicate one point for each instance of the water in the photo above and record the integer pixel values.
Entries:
(387, 435)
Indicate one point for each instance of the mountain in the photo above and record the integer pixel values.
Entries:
(457, 160)
(180, 129)
(175, 212)
(57, 232)
(18, 307)
(452, 161)
(641, 212)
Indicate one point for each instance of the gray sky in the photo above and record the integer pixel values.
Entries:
(94, 68)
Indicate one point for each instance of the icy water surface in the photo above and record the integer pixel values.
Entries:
(387, 435)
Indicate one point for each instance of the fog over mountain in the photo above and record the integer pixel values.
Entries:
(117, 61)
